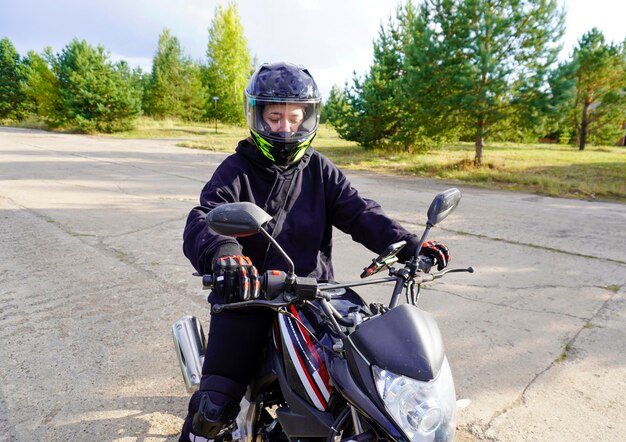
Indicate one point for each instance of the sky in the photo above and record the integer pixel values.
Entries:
(332, 38)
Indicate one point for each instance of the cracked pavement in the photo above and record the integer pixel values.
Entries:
(92, 276)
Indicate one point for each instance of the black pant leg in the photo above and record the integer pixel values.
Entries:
(234, 349)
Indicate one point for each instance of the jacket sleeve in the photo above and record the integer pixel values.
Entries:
(202, 245)
(363, 218)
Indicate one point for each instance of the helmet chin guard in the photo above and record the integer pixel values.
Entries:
(282, 153)
(282, 109)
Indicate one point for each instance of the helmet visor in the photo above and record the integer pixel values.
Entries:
(282, 120)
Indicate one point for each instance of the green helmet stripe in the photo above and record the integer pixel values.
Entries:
(302, 147)
(263, 145)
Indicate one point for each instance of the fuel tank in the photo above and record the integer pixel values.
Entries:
(299, 339)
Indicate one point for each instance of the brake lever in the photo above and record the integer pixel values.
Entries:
(458, 270)
(446, 271)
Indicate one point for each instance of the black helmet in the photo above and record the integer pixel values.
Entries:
(282, 108)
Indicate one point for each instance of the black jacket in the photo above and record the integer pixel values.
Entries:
(305, 201)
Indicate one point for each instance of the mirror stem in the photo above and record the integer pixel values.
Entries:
(291, 273)
(422, 239)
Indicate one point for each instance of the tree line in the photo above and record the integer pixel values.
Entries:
(443, 70)
(83, 89)
(450, 70)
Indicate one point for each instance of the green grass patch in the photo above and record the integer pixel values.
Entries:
(565, 354)
(150, 128)
(546, 169)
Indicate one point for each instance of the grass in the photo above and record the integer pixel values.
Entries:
(546, 169)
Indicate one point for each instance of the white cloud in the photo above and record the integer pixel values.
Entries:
(310, 4)
(582, 15)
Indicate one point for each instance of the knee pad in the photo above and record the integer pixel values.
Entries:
(210, 418)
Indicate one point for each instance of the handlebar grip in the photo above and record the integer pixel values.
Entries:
(207, 281)
(425, 263)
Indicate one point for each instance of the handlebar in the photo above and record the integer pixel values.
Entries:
(311, 290)
(308, 289)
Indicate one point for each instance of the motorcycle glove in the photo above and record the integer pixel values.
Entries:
(438, 252)
(235, 279)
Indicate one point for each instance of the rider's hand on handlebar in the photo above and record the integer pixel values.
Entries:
(438, 252)
(235, 278)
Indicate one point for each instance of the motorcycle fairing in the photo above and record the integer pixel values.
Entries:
(353, 379)
(407, 327)
(299, 419)
(304, 366)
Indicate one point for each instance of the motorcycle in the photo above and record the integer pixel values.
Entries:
(336, 368)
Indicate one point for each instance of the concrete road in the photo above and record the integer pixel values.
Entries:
(92, 275)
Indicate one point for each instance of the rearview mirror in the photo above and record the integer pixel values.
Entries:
(237, 219)
(443, 204)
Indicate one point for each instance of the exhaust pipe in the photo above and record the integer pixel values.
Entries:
(190, 344)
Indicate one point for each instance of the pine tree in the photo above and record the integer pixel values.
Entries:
(383, 100)
(11, 96)
(428, 86)
(96, 94)
(485, 60)
(174, 87)
(562, 96)
(371, 110)
(340, 114)
(229, 65)
(599, 71)
(41, 87)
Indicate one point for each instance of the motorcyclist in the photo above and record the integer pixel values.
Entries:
(277, 169)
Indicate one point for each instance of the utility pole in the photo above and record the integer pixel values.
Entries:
(215, 108)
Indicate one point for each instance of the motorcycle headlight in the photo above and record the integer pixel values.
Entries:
(425, 411)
